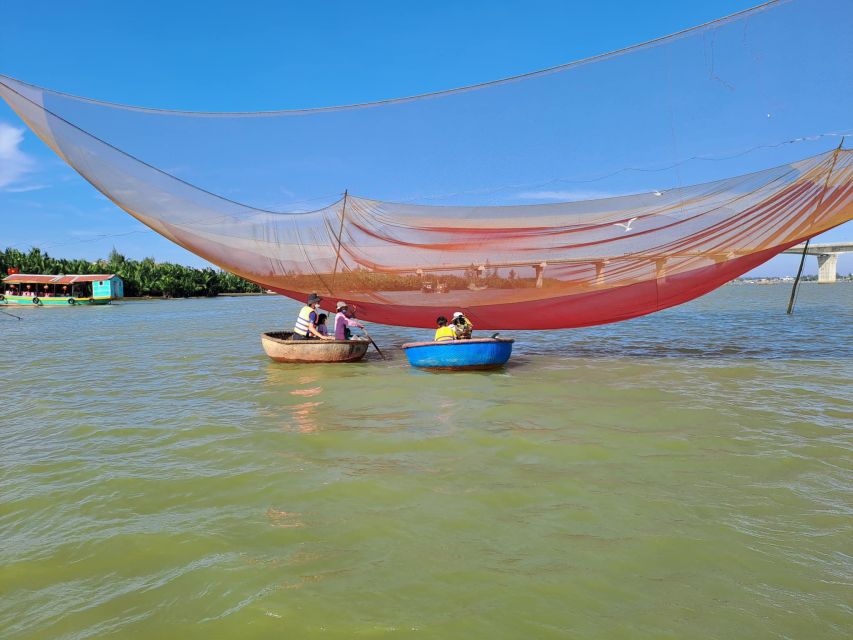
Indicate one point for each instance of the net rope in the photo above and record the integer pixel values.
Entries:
(739, 15)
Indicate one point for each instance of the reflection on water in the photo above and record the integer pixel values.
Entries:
(680, 475)
(303, 415)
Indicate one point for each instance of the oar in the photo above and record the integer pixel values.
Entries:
(373, 343)
(10, 314)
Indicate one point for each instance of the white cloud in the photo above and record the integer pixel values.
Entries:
(27, 187)
(566, 196)
(14, 163)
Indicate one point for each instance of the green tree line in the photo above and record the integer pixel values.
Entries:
(141, 277)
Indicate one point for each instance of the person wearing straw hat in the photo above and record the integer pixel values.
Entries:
(306, 321)
(344, 319)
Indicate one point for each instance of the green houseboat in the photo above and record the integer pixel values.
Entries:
(41, 290)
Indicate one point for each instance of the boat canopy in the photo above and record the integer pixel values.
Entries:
(28, 278)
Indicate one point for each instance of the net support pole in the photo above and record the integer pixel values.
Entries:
(806, 246)
(340, 234)
(797, 279)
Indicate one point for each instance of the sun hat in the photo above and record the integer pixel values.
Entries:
(341, 305)
(314, 298)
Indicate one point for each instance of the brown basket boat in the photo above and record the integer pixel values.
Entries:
(279, 346)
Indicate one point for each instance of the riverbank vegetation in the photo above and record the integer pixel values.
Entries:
(141, 277)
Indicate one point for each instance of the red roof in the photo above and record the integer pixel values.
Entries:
(26, 278)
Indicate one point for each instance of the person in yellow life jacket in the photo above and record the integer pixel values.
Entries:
(462, 326)
(306, 322)
(444, 332)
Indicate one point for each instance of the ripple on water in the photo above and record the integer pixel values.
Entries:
(686, 474)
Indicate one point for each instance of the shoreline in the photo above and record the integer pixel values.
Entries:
(219, 295)
(751, 281)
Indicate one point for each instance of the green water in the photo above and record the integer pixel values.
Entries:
(684, 475)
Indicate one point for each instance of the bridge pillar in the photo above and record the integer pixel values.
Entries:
(540, 273)
(827, 265)
(599, 271)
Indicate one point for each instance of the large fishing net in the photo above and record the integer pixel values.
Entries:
(589, 193)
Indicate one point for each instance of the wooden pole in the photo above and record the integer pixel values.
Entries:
(806, 247)
(797, 279)
(340, 233)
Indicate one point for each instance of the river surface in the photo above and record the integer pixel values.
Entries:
(684, 475)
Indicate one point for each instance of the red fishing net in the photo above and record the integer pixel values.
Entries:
(504, 200)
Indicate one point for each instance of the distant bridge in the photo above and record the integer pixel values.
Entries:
(827, 257)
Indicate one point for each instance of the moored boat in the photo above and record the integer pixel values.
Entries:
(460, 355)
(37, 290)
(280, 346)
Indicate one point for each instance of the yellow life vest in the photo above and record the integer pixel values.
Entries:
(303, 321)
(444, 333)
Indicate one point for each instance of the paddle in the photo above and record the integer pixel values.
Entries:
(367, 335)
(10, 314)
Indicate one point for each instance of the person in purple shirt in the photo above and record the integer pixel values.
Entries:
(343, 321)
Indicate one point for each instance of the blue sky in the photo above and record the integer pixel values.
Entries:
(277, 55)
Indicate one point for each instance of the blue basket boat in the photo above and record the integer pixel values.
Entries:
(460, 355)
